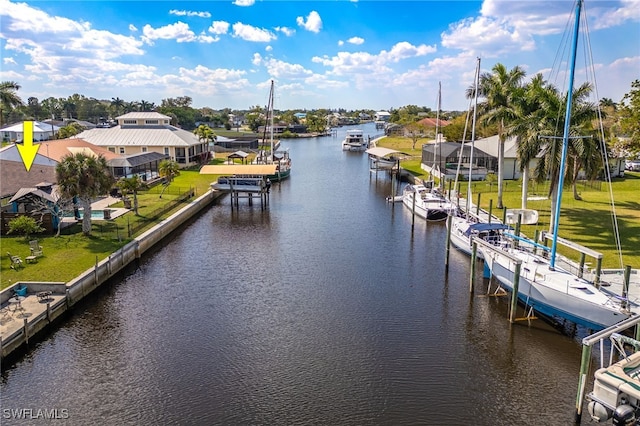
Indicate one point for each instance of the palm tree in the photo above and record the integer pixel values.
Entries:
(498, 90)
(132, 185)
(581, 149)
(168, 169)
(117, 104)
(8, 98)
(525, 128)
(84, 177)
(205, 133)
(147, 106)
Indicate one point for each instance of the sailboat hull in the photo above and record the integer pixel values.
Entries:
(556, 293)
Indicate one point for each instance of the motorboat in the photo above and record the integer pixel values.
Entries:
(354, 141)
(616, 388)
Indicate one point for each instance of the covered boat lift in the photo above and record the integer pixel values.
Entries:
(242, 180)
(388, 160)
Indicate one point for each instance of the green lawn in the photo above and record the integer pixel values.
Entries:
(587, 222)
(67, 256)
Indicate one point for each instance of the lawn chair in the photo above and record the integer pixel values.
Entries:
(16, 261)
(36, 249)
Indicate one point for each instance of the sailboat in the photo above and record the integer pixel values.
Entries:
(424, 199)
(544, 286)
(279, 157)
(465, 223)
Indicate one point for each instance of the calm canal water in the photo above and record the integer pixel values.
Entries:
(326, 308)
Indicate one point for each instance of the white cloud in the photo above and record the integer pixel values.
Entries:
(356, 40)
(251, 33)
(244, 2)
(286, 31)
(189, 13)
(340, 43)
(281, 69)
(132, 28)
(363, 65)
(268, 48)
(9, 60)
(10, 76)
(179, 32)
(313, 22)
(257, 59)
(219, 27)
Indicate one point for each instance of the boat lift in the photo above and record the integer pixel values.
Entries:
(242, 181)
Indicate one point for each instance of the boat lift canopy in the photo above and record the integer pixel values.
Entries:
(239, 169)
(383, 152)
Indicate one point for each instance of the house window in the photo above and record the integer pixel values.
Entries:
(166, 150)
(129, 122)
(144, 149)
(150, 121)
(112, 149)
(121, 149)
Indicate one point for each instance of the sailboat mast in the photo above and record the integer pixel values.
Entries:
(473, 131)
(271, 118)
(565, 135)
(437, 135)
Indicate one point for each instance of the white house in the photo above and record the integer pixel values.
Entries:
(41, 132)
(139, 132)
(382, 116)
(511, 169)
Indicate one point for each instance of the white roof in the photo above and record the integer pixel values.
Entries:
(143, 115)
(38, 127)
(381, 152)
(490, 146)
(140, 136)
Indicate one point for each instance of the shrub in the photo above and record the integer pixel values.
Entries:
(24, 225)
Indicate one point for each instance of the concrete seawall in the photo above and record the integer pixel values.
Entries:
(35, 315)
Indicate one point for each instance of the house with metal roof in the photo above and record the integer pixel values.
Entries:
(142, 132)
(41, 132)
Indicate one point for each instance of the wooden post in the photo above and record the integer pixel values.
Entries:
(478, 204)
(625, 285)
(490, 209)
(504, 214)
(25, 329)
(474, 255)
(582, 260)
(515, 243)
(448, 246)
(582, 381)
(413, 210)
(535, 238)
(514, 294)
(596, 279)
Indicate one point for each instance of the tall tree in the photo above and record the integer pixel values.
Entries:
(132, 185)
(9, 99)
(117, 105)
(84, 177)
(582, 143)
(168, 169)
(525, 128)
(498, 88)
(630, 119)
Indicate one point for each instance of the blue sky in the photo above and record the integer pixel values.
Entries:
(322, 54)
